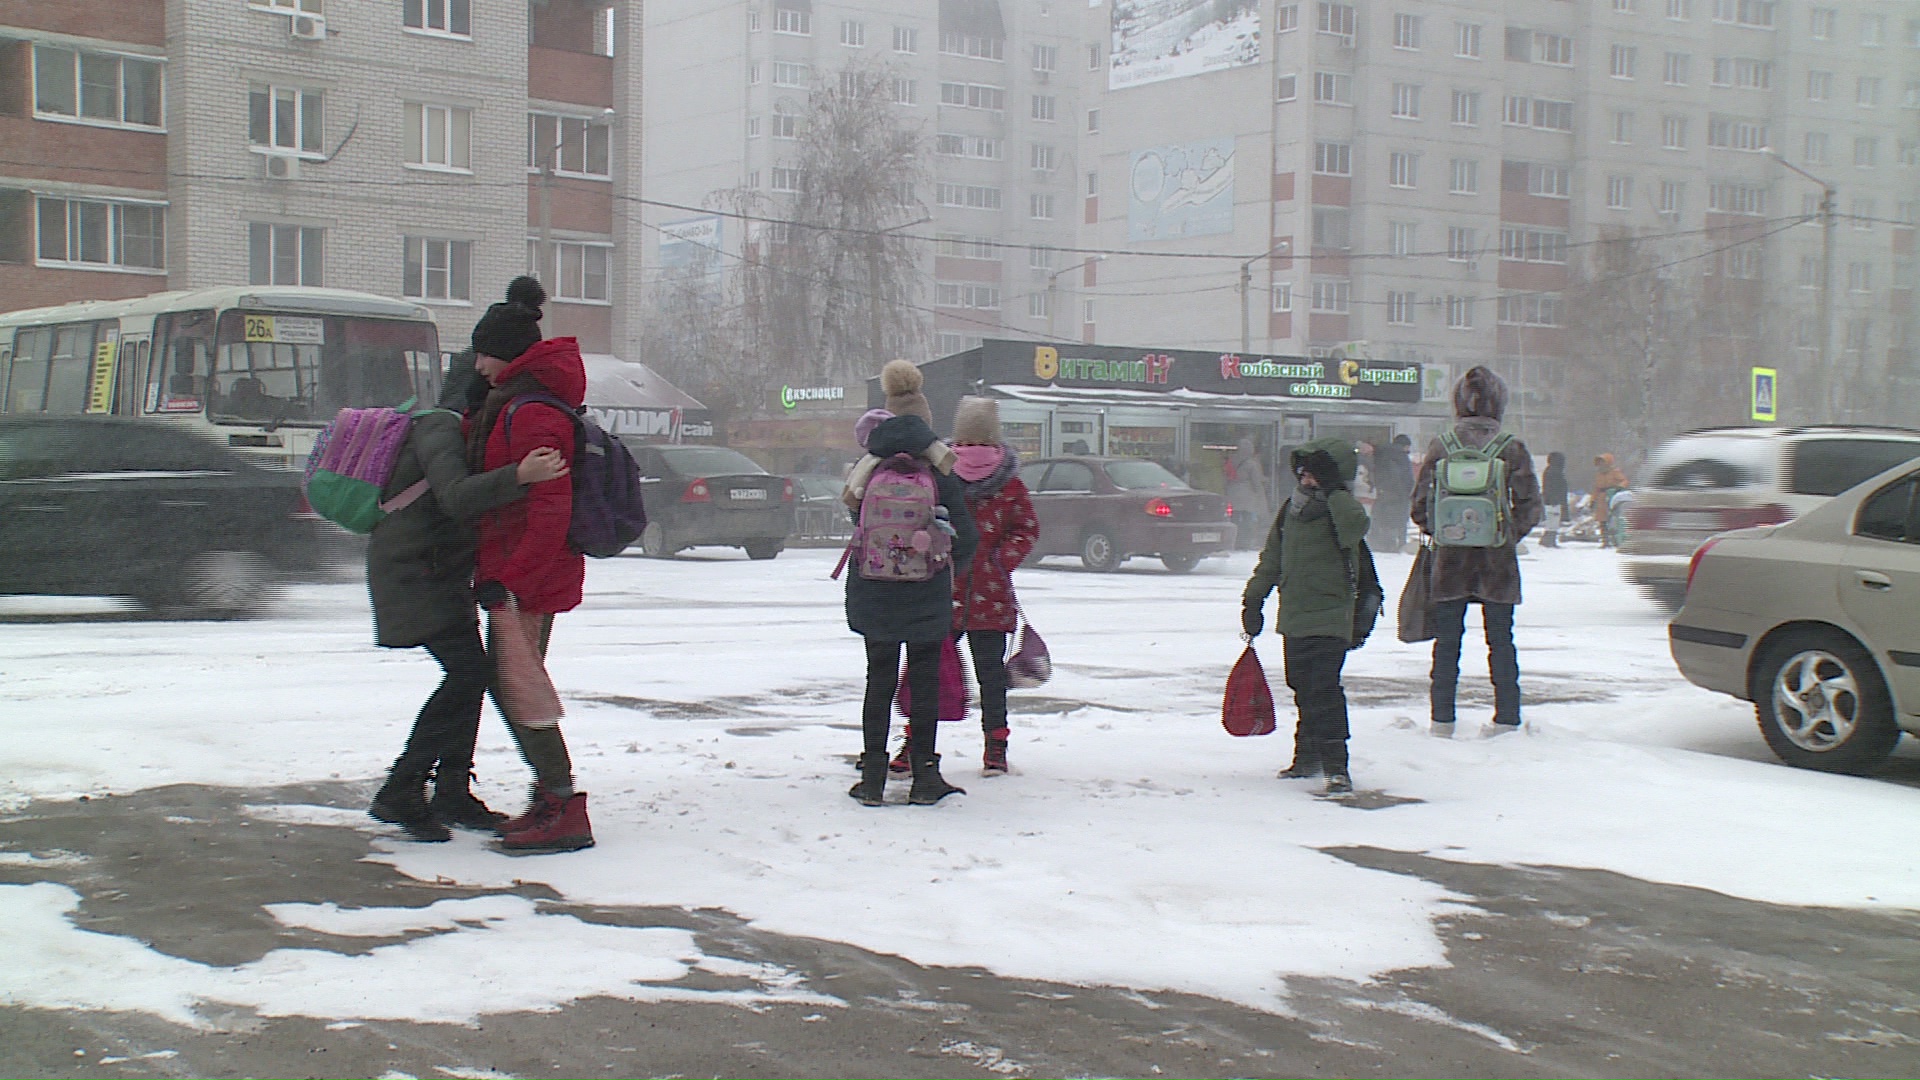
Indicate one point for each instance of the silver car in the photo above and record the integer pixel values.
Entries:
(1816, 622)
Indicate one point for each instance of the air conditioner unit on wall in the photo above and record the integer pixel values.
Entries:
(309, 27)
(282, 166)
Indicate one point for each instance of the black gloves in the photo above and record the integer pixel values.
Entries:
(1253, 619)
(491, 594)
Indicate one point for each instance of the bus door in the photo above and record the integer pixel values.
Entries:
(132, 377)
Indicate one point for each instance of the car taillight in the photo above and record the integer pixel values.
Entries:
(1643, 517)
(786, 490)
(697, 493)
(1160, 508)
(1229, 509)
(1693, 564)
(1749, 517)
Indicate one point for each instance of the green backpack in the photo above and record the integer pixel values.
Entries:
(1470, 507)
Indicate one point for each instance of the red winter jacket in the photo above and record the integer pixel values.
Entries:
(983, 596)
(523, 545)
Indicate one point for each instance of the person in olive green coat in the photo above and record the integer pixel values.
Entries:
(1311, 556)
(420, 577)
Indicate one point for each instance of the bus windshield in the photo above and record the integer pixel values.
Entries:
(279, 369)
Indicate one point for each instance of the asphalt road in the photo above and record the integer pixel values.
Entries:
(1554, 972)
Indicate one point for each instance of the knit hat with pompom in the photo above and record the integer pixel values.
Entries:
(511, 328)
(902, 382)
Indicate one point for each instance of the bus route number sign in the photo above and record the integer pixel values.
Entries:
(285, 330)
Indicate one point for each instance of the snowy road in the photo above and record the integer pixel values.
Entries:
(712, 707)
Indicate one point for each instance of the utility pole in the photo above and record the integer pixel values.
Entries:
(1246, 293)
(1840, 398)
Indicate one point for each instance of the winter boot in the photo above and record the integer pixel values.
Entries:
(537, 806)
(1303, 768)
(402, 801)
(903, 761)
(454, 803)
(1339, 784)
(559, 825)
(995, 761)
(872, 787)
(929, 786)
(1442, 730)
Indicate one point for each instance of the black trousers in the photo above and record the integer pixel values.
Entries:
(1313, 674)
(1503, 659)
(448, 726)
(989, 649)
(883, 681)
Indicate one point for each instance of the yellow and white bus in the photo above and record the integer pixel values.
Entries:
(261, 369)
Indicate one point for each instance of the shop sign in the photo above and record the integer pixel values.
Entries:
(1106, 367)
(662, 425)
(1151, 369)
(791, 397)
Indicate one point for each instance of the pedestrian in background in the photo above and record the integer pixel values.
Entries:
(1608, 481)
(1487, 576)
(526, 572)
(1392, 478)
(1553, 496)
(1246, 482)
(420, 579)
(1310, 556)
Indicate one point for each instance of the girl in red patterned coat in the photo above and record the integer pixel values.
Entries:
(984, 608)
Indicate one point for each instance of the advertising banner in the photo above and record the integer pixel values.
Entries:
(1155, 40)
(1180, 191)
(1171, 370)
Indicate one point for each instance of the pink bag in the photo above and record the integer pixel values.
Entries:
(1248, 705)
(955, 693)
(522, 688)
(1031, 664)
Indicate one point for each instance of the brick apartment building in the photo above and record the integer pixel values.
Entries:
(392, 147)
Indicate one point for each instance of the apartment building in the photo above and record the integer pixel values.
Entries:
(1432, 181)
(994, 89)
(392, 147)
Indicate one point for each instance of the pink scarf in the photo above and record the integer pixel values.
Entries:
(977, 462)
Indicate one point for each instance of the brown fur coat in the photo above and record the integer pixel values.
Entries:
(1487, 575)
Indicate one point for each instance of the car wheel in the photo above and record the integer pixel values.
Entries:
(656, 544)
(1822, 704)
(1098, 552)
(761, 550)
(1181, 564)
(219, 585)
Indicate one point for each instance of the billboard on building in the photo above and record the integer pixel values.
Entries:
(692, 244)
(1155, 40)
(1181, 191)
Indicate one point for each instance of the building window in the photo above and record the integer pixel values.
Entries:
(1466, 108)
(439, 137)
(786, 73)
(1859, 277)
(753, 127)
(977, 46)
(1530, 309)
(1335, 19)
(1333, 158)
(1679, 68)
(1742, 72)
(1867, 95)
(969, 247)
(1459, 312)
(792, 20)
(1863, 213)
(1403, 169)
(1040, 206)
(437, 269)
(572, 145)
(1540, 113)
(279, 118)
(304, 7)
(1673, 132)
(982, 147)
(1817, 150)
(1622, 127)
(1626, 7)
(1285, 87)
(786, 124)
(1519, 244)
(1040, 157)
(1286, 17)
(1744, 12)
(1819, 85)
(1460, 247)
(785, 179)
(580, 274)
(1912, 98)
(1406, 31)
(1046, 58)
(1731, 133)
(1623, 61)
(1910, 153)
(1040, 258)
(1043, 107)
(967, 196)
(1866, 152)
(1093, 57)
(1282, 297)
(906, 39)
(906, 91)
(1466, 40)
(1402, 238)
(108, 89)
(91, 234)
(1332, 88)
(1037, 306)
(1093, 121)
(956, 294)
(1332, 228)
(1727, 197)
(1464, 178)
(973, 96)
(1873, 30)
(1406, 101)
(1552, 49)
(1673, 198)
(1552, 181)
(1822, 21)
(1400, 308)
(853, 34)
(453, 17)
(284, 254)
(1619, 192)
(1331, 295)
(1093, 184)
(1679, 10)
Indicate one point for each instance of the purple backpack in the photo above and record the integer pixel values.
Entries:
(899, 538)
(608, 514)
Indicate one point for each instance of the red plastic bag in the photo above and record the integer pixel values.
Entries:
(1248, 707)
(954, 696)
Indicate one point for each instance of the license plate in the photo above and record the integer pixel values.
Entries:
(1206, 538)
(1696, 521)
(749, 495)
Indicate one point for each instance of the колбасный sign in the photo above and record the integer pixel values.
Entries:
(1161, 370)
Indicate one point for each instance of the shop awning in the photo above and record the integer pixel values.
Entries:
(629, 398)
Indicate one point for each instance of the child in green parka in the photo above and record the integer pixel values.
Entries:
(1310, 556)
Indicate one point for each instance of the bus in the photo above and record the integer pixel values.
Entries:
(259, 369)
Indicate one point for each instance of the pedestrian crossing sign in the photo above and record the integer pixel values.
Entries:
(1766, 394)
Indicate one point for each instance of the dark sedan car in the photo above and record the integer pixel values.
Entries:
(699, 496)
(103, 506)
(1106, 510)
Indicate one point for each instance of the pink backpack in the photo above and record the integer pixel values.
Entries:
(899, 538)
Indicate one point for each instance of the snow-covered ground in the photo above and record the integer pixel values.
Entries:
(712, 709)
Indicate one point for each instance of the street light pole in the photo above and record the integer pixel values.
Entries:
(1825, 317)
(1246, 292)
(1053, 283)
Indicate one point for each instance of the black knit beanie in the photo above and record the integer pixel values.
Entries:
(513, 327)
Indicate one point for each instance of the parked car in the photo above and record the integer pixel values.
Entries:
(1816, 622)
(1107, 510)
(712, 496)
(106, 506)
(1713, 481)
(819, 513)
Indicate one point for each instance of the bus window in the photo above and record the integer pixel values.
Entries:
(300, 369)
(27, 388)
(67, 375)
(181, 344)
